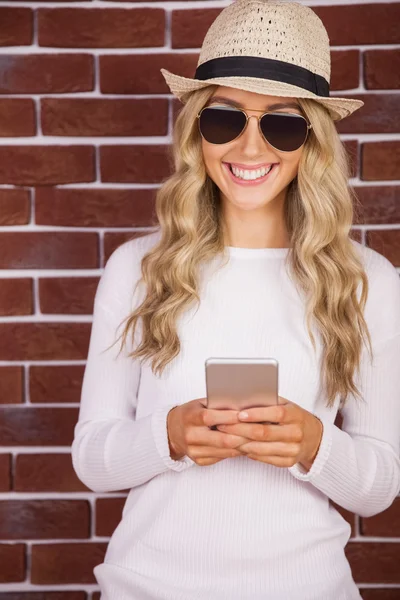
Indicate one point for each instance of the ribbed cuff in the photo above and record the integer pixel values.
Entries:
(160, 434)
(299, 472)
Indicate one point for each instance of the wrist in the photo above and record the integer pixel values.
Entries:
(175, 452)
(316, 438)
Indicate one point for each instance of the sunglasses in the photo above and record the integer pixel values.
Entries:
(286, 132)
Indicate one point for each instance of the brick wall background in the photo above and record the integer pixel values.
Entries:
(85, 121)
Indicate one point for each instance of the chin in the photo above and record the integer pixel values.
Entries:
(250, 203)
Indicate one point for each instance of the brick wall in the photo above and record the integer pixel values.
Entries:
(85, 121)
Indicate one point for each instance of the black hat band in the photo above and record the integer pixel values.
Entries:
(263, 68)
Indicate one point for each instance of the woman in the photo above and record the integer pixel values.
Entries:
(219, 507)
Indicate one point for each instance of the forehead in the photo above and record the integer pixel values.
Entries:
(243, 98)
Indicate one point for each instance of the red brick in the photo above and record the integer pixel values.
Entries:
(44, 519)
(113, 240)
(11, 385)
(136, 164)
(382, 69)
(44, 341)
(15, 206)
(66, 563)
(46, 73)
(43, 595)
(31, 426)
(345, 69)
(386, 242)
(46, 165)
(380, 593)
(355, 234)
(16, 297)
(67, 295)
(55, 384)
(16, 26)
(101, 28)
(380, 114)
(380, 160)
(102, 117)
(13, 563)
(371, 23)
(374, 562)
(386, 523)
(5, 480)
(188, 27)
(108, 514)
(46, 473)
(144, 72)
(48, 250)
(380, 205)
(68, 207)
(17, 117)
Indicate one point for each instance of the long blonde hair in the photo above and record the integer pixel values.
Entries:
(323, 259)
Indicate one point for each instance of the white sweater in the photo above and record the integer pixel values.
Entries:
(239, 529)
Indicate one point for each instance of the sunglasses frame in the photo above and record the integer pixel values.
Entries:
(271, 112)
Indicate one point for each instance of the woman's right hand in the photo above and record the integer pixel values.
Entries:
(190, 435)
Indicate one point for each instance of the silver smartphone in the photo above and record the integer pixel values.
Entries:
(239, 383)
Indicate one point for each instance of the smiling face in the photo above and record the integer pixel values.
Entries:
(266, 197)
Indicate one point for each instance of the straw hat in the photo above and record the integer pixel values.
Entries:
(271, 47)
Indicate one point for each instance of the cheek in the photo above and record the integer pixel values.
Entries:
(291, 165)
(212, 157)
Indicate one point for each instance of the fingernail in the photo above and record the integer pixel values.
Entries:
(243, 415)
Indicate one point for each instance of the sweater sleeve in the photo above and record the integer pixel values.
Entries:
(358, 466)
(112, 450)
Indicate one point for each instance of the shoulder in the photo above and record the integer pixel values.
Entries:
(123, 268)
(130, 253)
(382, 274)
(382, 310)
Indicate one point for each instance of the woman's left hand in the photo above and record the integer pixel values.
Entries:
(294, 435)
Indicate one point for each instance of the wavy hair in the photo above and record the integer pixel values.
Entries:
(324, 263)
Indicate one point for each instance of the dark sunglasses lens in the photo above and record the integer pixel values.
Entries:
(221, 125)
(284, 132)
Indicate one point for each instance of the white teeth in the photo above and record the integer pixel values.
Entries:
(249, 175)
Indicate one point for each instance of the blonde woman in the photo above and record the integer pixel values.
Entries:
(252, 257)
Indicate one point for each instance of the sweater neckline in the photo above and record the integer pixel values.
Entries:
(256, 252)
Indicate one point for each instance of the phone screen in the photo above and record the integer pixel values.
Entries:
(239, 383)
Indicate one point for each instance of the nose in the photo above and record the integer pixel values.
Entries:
(252, 141)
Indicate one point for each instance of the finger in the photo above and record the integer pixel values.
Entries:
(211, 417)
(198, 436)
(265, 433)
(228, 440)
(222, 440)
(276, 461)
(271, 449)
(278, 413)
(211, 452)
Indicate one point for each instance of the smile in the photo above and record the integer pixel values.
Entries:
(247, 182)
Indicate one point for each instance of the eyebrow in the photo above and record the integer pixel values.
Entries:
(238, 105)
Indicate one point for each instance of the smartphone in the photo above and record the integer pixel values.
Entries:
(240, 383)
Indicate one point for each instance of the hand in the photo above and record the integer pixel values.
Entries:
(294, 436)
(189, 433)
